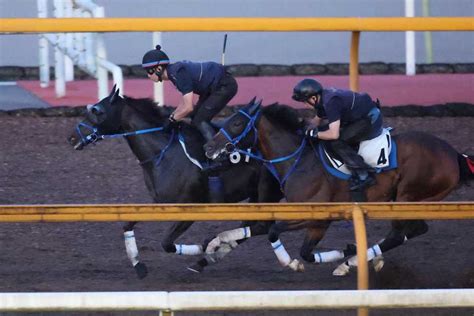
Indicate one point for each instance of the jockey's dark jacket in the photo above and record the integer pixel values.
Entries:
(349, 107)
(199, 78)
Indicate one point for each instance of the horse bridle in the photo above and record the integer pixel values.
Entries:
(90, 138)
(231, 145)
(95, 136)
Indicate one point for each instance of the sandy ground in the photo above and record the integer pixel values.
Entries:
(39, 167)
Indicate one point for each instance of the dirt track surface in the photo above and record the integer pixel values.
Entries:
(39, 167)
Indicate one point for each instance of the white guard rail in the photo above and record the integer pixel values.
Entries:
(235, 300)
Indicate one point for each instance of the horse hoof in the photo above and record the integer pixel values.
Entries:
(213, 245)
(296, 266)
(342, 270)
(378, 263)
(141, 270)
(196, 268)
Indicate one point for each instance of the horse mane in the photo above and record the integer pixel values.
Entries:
(284, 116)
(148, 109)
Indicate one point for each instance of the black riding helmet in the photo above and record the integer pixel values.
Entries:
(305, 89)
(155, 57)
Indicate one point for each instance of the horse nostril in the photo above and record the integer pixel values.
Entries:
(229, 147)
(71, 140)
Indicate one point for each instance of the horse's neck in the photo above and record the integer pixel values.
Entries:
(301, 185)
(144, 146)
(275, 142)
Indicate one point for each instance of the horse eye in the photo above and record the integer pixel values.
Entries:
(238, 123)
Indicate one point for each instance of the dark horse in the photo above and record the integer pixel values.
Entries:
(428, 170)
(170, 176)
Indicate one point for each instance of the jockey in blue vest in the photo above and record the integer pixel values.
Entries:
(209, 80)
(351, 117)
(214, 85)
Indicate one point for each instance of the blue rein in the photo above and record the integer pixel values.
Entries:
(95, 136)
(269, 163)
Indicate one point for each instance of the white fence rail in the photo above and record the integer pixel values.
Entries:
(235, 300)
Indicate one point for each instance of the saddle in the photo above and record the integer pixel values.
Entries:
(380, 153)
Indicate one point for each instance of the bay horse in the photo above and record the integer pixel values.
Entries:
(170, 176)
(428, 170)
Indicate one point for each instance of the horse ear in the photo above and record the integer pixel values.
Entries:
(114, 96)
(250, 105)
(254, 107)
(252, 101)
(113, 91)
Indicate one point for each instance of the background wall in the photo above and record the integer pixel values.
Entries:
(258, 48)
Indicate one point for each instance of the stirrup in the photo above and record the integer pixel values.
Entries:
(215, 166)
(357, 184)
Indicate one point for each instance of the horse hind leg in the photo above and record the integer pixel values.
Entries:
(401, 232)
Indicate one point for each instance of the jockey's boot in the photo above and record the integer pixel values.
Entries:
(207, 131)
(215, 183)
(361, 179)
(362, 174)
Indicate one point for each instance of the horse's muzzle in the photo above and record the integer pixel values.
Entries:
(76, 143)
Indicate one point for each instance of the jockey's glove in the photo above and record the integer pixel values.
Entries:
(170, 124)
(312, 132)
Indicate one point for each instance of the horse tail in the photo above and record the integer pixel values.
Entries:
(466, 167)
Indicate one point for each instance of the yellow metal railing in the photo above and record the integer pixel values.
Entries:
(354, 25)
(386, 24)
(229, 212)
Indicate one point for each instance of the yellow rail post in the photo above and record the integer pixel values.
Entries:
(354, 62)
(362, 264)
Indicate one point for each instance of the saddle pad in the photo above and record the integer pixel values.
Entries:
(379, 153)
(185, 149)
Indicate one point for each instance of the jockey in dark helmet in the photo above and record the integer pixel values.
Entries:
(352, 118)
(214, 85)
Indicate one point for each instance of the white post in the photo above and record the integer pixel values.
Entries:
(43, 47)
(410, 40)
(101, 54)
(158, 90)
(68, 63)
(90, 48)
(60, 82)
(79, 40)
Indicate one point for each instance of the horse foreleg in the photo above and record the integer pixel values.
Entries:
(228, 237)
(278, 248)
(227, 241)
(176, 230)
(313, 236)
(132, 250)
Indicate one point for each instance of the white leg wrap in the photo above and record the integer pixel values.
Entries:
(188, 250)
(372, 252)
(235, 234)
(221, 252)
(281, 253)
(131, 246)
(328, 256)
